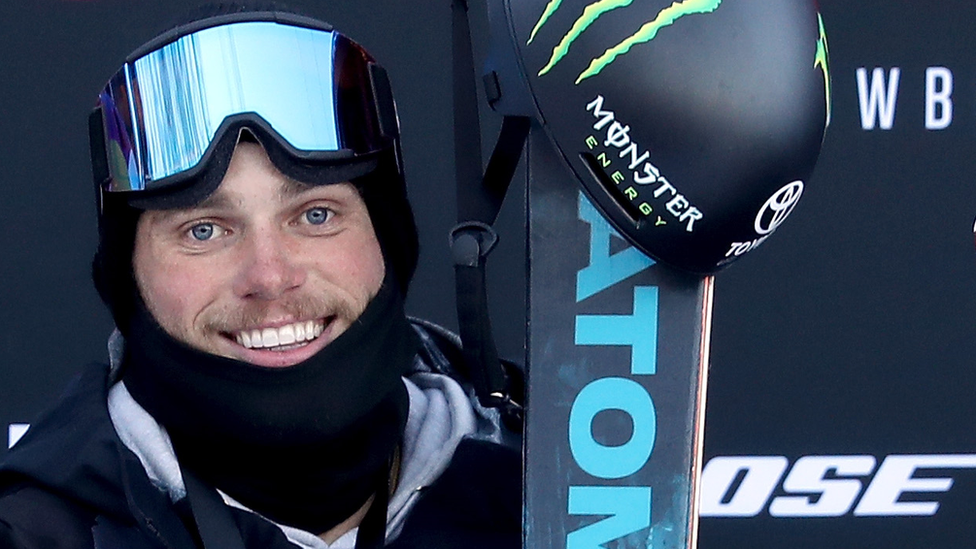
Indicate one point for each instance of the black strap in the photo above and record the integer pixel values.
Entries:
(467, 125)
(479, 199)
(471, 243)
(372, 530)
(482, 202)
(214, 521)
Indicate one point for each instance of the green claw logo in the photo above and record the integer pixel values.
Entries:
(821, 61)
(592, 12)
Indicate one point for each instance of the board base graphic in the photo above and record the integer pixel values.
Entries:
(617, 357)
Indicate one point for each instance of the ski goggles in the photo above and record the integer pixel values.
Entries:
(317, 93)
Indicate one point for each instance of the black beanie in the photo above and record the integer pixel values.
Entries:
(383, 190)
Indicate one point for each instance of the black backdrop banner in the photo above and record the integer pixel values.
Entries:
(841, 386)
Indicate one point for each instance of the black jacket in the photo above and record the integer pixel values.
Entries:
(70, 483)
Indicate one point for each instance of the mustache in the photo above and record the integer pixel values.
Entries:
(254, 314)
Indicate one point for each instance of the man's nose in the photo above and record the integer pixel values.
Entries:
(268, 268)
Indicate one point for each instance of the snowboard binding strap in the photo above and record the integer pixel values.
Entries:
(479, 199)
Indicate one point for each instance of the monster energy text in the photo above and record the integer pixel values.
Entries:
(644, 171)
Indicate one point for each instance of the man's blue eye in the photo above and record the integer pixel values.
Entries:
(317, 216)
(203, 231)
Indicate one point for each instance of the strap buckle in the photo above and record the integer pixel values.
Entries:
(471, 242)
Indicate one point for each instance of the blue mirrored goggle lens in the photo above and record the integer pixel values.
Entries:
(162, 112)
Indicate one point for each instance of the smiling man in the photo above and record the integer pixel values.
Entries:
(266, 270)
(265, 388)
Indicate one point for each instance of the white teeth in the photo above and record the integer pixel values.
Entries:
(286, 335)
(281, 338)
(269, 336)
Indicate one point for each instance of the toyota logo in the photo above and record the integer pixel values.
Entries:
(778, 207)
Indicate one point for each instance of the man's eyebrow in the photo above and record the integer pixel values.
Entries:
(289, 190)
(215, 201)
(292, 188)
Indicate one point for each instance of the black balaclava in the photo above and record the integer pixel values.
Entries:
(305, 445)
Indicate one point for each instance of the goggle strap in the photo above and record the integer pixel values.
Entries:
(99, 157)
(383, 99)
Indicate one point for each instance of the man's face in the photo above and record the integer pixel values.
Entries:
(266, 270)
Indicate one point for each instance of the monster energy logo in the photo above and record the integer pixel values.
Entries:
(821, 61)
(592, 12)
